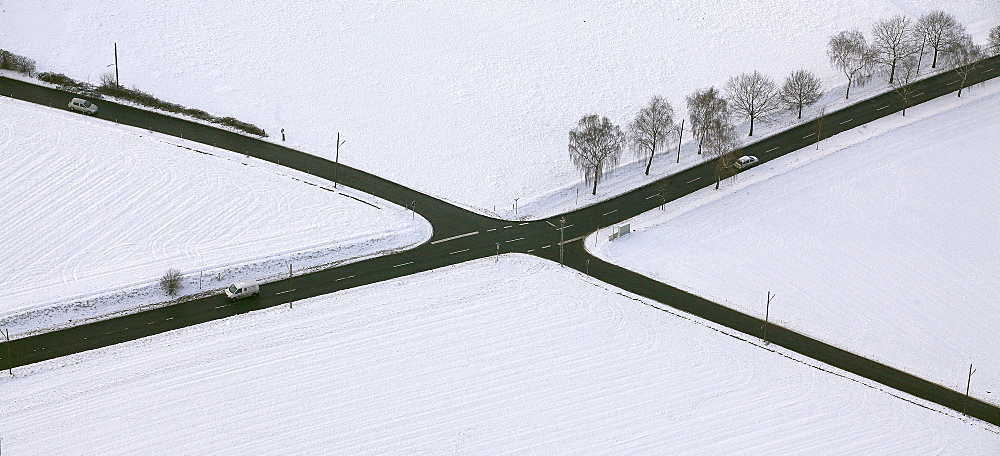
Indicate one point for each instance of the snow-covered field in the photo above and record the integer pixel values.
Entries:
(470, 101)
(883, 241)
(94, 213)
(518, 356)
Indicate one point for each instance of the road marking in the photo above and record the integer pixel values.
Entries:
(518, 239)
(171, 318)
(458, 251)
(574, 239)
(692, 180)
(150, 322)
(343, 278)
(848, 120)
(547, 246)
(883, 107)
(550, 223)
(455, 237)
(404, 264)
(773, 148)
(810, 134)
(532, 250)
(288, 291)
(918, 94)
(508, 226)
(612, 212)
(651, 197)
(491, 229)
(220, 307)
(522, 224)
(567, 226)
(950, 83)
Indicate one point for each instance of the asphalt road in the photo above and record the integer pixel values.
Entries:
(460, 235)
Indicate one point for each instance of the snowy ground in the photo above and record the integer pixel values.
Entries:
(470, 101)
(883, 241)
(518, 356)
(93, 213)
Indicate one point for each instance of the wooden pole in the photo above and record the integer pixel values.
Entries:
(767, 314)
(965, 406)
(336, 161)
(10, 357)
(680, 136)
(117, 81)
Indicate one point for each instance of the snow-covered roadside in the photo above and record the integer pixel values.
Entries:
(882, 241)
(519, 356)
(94, 213)
(468, 101)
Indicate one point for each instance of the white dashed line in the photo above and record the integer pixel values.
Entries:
(404, 264)
(692, 180)
(343, 278)
(531, 250)
(491, 229)
(612, 212)
(455, 237)
(508, 226)
(883, 107)
(220, 307)
(574, 239)
(651, 197)
(810, 134)
(546, 246)
(288, 291)
(522, 224)
(458, 251)
(769, 150)
(848, 120)
(952, 83)
(518, 239)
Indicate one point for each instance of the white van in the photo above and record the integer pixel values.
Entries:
(243, 289)
(84, 106)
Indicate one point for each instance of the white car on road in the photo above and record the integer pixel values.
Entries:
(243, 289)
(84, 106)
(745, 161)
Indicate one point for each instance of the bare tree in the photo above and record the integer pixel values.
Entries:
(171, 281)
(850, 53)
(906, 72)
(994, 41)
(594, 146)
(703, 106)
(720, 142)
(939, 29)
(648, 132)
(752, 95)
(963, 56)
(893, 41)
(802, 88)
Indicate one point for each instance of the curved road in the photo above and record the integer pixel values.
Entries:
(460, 235)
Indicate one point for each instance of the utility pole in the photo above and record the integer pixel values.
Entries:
(117, 82)
(498, 253)
(515, 205)
(10, 358)
(562, 227)
(588, 266)
(819, 125)
(679, 137)
(413, 210)
(336, 161)
(965, 407)
(767, 314)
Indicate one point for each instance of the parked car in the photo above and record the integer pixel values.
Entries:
(240, 290)
(84, 106)
(745, 161)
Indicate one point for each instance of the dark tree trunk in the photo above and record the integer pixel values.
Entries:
(751, 125)
(651, 152)
(800, 110)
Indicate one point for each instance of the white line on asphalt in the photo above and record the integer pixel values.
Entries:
(522, 224)
(404, 264)
(508, 226)
(343, 278)
(171, 318)
(651, 197)
(512, 240)
(692, 180)
(810, 134)
(491, 229)
(953, 82)
(550, 223)
(612, 212)
(574, 239)
(546, 246)
(773, 148)
(848, 120)
(455, 237)
(220, 307)
(286, 291)
(458, 251)
(567, 226)
(883, 107)
(918, 94)
(150, 322)
(531, 250)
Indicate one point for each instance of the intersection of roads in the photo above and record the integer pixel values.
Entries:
(460, 235)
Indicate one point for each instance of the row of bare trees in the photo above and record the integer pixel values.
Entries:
(899, 46)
